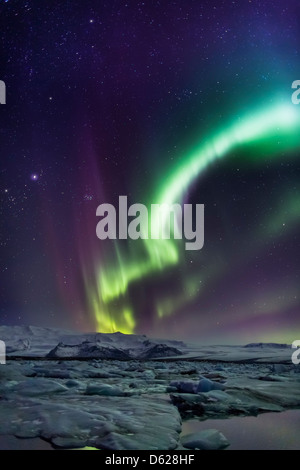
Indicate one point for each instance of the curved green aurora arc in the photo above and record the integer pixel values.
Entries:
(269, 130)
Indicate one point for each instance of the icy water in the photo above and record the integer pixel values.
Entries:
(12, 443)
(268, 431)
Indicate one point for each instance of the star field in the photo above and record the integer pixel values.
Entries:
(160, 101)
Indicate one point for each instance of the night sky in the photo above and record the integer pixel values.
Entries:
(161, 101)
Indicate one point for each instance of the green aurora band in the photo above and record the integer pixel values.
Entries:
(267, 132)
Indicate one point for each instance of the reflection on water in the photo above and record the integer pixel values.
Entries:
(13, 443)
(268, 431)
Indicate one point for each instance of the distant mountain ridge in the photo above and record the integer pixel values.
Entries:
(39, 342)
(268, 345)
(30, 341)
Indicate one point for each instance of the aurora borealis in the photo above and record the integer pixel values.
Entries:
(163, 103)
(159, 254)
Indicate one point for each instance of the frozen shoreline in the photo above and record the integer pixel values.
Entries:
(109, 392)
